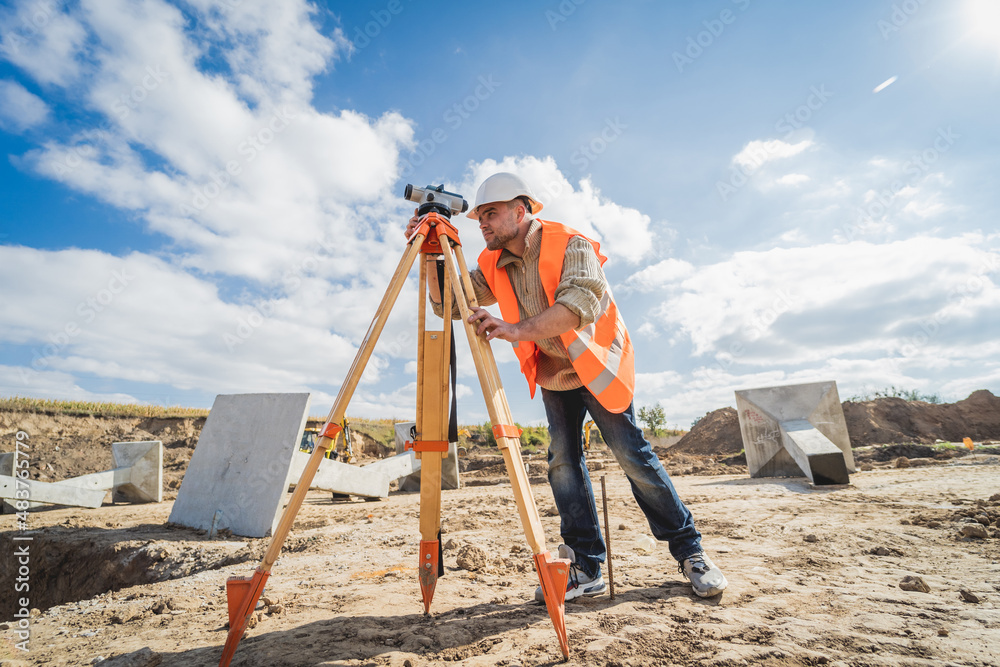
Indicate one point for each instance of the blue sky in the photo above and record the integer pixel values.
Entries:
(204, 197)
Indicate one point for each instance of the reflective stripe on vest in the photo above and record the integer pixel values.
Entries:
(601, 353)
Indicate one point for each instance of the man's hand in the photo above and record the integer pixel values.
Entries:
(550, 323)
(412, 225)
(493, 327)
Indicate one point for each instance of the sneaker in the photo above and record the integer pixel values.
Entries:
(578, 584)
(706, 579)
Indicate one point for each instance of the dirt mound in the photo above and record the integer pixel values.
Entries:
(718, 432)
(886, 420)
(880, 421)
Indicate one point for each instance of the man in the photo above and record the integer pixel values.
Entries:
(558, 312)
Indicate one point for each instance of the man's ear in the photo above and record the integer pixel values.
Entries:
(523, 213)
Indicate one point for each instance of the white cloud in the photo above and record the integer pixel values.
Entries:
(654, 383)
(139, 319)
(20, 109)
(804, 305)
(792, 179)
(759, 152)
(623, 232)
(25, 381)
(43, 41)
(926, 208)
(659, 275)
(259, 182)
(273, 66)
(794, 236)
(648, 330)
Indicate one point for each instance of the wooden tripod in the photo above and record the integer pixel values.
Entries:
(434, 235)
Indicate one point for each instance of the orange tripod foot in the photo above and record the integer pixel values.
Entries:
(428, 570)
(242, 594)
(553, 573)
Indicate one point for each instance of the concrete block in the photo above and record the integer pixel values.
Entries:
(814, 453)
(7, 469)
(241, 463)
(406, 432)
(137, 475)
(145, 461)
(794, 431)
(344, 478)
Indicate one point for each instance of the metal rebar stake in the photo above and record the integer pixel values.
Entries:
(607, 538)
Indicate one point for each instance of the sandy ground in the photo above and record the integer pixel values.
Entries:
(814, 579)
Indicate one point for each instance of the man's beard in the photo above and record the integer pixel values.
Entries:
(502, 237)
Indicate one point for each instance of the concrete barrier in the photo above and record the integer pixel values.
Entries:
(795, 431)
(238, 475)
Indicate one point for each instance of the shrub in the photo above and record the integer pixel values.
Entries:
(893, 392)
(653, 417)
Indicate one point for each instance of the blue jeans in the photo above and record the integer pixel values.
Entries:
(669, 519)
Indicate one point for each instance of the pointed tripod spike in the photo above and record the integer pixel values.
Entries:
(242, 594)
(553, 574)
(429, 550)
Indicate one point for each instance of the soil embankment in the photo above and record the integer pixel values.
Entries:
(877, 422)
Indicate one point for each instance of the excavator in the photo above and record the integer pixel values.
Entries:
(341, 450)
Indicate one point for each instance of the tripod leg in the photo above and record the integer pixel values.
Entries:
(553, 573)
(243, 596)
(432, 432)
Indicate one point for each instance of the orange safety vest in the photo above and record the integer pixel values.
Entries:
(601, 352)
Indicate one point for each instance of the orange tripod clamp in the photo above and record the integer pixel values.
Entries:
(506, 431)
(331, 430)
(426, 445)
(433, 226)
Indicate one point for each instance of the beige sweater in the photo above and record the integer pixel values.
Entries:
(580, 289)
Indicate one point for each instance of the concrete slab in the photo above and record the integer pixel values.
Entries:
(58, 493)
(99, 481)
(778, 442)
(344, 478)
(396, 467)
(406, 431)
(241, 463)
(138, 473)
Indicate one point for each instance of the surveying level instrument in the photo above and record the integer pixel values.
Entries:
(436, 198)
(436, 236)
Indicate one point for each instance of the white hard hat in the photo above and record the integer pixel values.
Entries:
(503, 187)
